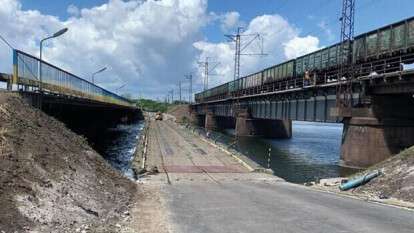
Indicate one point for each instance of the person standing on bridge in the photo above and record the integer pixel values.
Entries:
(306, 79)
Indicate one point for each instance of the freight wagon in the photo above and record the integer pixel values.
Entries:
(381, 50)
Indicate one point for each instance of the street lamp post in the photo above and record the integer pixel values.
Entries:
(56, 34)
(97, 72)
(119, 88)
(190, 90)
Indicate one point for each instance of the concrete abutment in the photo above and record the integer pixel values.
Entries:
(375, 133)
(367, 141)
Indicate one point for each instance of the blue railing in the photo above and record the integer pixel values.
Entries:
(57, 80)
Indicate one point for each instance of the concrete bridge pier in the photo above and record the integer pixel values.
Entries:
(373, 134)
(248, 126)
(367, 140)
(197, 119)
(210, 122)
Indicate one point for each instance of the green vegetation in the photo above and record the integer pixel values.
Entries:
(152, 105)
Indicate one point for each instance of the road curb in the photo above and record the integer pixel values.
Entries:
(393, 203)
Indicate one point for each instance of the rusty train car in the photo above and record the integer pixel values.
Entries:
(379, 51)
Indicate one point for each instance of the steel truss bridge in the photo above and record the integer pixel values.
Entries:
(316, 101)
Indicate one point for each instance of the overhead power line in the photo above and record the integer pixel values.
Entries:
(6, 42)
(208, 67)
(240, 47)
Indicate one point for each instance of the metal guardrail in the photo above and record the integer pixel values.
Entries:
(58, 81)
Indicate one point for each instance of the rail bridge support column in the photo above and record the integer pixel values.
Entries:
(211, 121)
(373, 134)
(248, 126)
(197, 119)
(367, 141)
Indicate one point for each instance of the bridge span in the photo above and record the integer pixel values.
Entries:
(380, 123)
(376, 73)
(82, 105)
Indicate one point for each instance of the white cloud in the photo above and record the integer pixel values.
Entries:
(146, 43)
(300, 46)
(149, 44)
(281, 42)
(73, 10)
(230, 20)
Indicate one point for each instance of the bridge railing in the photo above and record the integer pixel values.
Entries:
(56, 80)
(373, 69)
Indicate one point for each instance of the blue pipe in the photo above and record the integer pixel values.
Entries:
(359, 181)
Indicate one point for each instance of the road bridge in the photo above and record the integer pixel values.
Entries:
(380, 122)
(82, 105)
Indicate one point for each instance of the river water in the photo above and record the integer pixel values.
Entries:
(312, 153)
(117, 145)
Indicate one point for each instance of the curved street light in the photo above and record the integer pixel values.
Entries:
(97, 72)
(119, 88)
(56, 34)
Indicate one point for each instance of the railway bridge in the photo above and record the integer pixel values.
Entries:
(85, 107)
(366, 83)
(380, 123)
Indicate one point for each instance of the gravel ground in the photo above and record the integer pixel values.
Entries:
(397, 180)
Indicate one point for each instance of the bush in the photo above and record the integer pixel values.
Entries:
(152, 105)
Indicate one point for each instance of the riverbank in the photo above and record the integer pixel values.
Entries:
(52, 180)
(394, 186)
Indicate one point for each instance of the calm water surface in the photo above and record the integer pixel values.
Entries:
(312, 152)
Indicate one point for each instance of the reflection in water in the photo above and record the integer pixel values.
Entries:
(117, 145)
(312, 152)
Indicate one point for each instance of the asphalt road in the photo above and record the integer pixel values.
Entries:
(207, 194)
(257, 206)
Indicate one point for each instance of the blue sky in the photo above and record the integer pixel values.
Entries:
(151, 45)
(305, 15)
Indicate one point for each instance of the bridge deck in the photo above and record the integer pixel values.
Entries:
(31, 75)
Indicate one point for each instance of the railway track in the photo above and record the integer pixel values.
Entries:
(185, 137)
(168, 127)
(162, 155)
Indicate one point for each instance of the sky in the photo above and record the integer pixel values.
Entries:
(150, 45)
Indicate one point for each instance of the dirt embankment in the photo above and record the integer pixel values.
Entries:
(395, 184)
(397, 180)
(181, 113)
(51, 180)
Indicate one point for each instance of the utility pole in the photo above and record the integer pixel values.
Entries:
(179, 87)
(240, 47)
(172, 96)
(344, 90)
(207, 69)
(190, 89)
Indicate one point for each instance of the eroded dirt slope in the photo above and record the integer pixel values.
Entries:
(181, 113)
(397, 180)
(51, 180)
